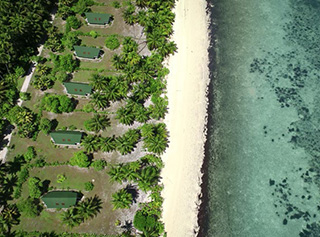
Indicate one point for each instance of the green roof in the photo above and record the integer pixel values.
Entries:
(86, 52)
(66, 137)
(98, 18)
(60, 199)
(78, 88)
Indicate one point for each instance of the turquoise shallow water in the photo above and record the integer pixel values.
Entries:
(264, 131)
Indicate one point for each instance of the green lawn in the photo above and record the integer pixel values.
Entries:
(49, 220)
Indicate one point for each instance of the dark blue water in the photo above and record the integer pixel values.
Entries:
(264, 131)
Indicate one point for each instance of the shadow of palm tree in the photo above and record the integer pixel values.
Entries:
(127, 226)
(133, 191)
(7, 131)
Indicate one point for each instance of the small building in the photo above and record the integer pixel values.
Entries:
(76, 88)
(98, 18)
(60, 199)
(86, 52)
(66, 137)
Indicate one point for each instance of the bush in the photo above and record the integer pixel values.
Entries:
(30, 154)
(88, 108)
(25, 96)
(144, 222)
(62, 76)
(35, 186)
(88, 186)
(80, 159)
(46, 125)
(23, 175)
(94, 34)
(57, 103)
(29, 207)
(82, 6)
(17, 190)
(61, 178)
(116, 4)
(74, 22)
(70, 39)
(67, 63)
(112, 42)
(64, 63)
(99, 164)
(72, 127)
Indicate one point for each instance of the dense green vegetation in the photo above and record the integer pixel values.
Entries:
(57, 103)
(133, 95)
(112, 42)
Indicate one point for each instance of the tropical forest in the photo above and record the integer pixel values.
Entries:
(82, 102)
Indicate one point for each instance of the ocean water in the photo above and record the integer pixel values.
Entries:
(263, 148)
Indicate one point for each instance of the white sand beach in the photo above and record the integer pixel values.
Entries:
(186, 119)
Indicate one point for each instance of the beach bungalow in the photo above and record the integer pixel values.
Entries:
(66, 137)
(86, 52)
(76, 88)
(98, 18)
(60, 199)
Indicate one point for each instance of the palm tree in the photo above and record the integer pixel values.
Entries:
(117, 89)
(91, 143)
(24, 116)
(147, 130)
(71, 218)
(141, 91)
(90, 207)
(117, 173)
(121, 199)
(167, 49)
(132, 58)
(156, 144)
(130, 19)
(43, 69)
(128, 16)
(125, 116)
(141, 114)
(9, 217)
(142, 17)
(130, 174)
(141, 3)
(135, 166)
(3, 91)
(129, 45)
(132, 135)
(117, 62)
(99, 100)
(97, 123)
(159, 107)
(155, 40)
(107, 144)
(98, 82)
(42, 82)
(148, 177)
(124, 146)
(66, 2)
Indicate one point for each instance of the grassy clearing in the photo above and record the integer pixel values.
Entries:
(44, 147)
(50, 219)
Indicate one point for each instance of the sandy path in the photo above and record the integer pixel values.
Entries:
(186, 120)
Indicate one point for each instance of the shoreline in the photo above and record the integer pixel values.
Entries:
(203, 214)
(187, 90)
